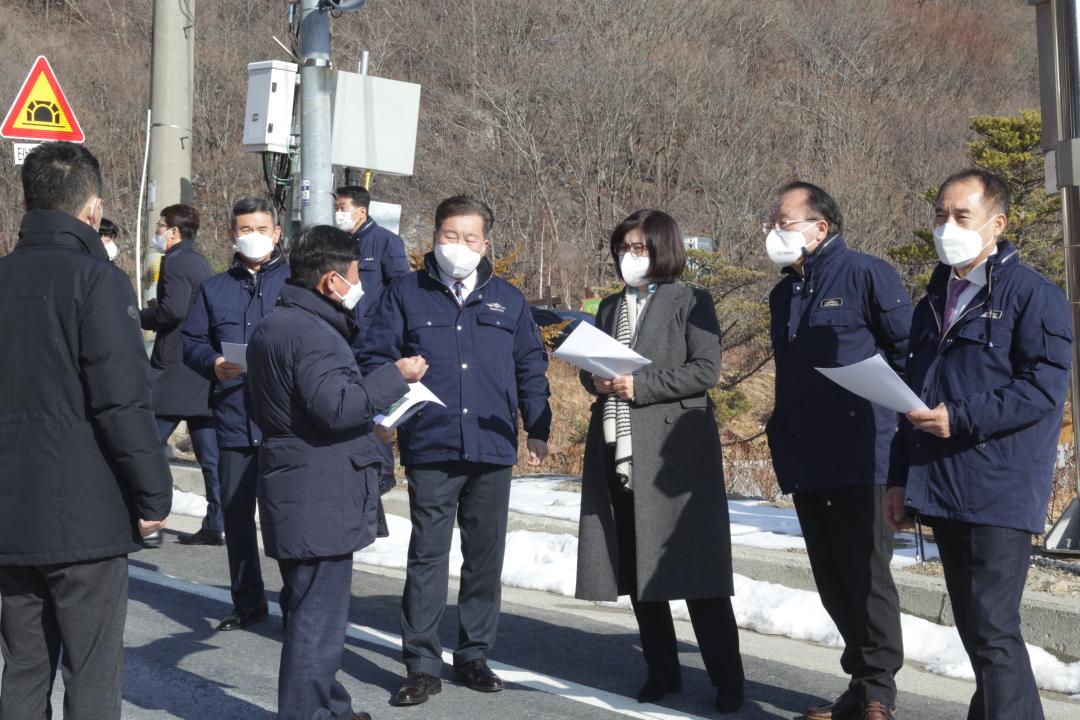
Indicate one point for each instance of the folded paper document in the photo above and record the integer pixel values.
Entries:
(875, 381)
(402, 410)
(597, 352)
(235, 353)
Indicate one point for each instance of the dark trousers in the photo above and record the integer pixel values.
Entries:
(850, 548)
(713, 618)
(204, 442)
(985, 570)
(479, 495)
(239, 482)
(80, 607)
(315, 600)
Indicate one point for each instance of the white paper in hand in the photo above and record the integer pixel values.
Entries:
(595, 351)
(875, 381)
(235, 353)
(402, 410)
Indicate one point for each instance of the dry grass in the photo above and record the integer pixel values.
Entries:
(569, 423)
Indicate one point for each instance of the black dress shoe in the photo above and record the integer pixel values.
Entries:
(478, 676)
(203, 537)
(240, 618)
(418, 688)
(152, 541)
(656, 687)
(729, 697)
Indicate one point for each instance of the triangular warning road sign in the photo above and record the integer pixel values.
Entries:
(40, 110)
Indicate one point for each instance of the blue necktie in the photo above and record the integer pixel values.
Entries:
(458, 286)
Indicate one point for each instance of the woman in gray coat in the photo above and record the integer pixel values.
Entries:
(654, 519)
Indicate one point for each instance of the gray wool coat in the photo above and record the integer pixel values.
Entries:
(682, 531)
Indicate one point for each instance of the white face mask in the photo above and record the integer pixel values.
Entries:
(254, 246)
(350, 298)
(457, 260)
(343, 220)
(111, 250)
(958, 246)
(634, 269)
(784, 247)
(160, 243)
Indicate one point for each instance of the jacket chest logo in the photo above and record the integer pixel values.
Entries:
(368, 259)
(496, 307)
(992, 314)
(832, 302)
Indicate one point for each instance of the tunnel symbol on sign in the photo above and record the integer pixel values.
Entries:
(43, 113)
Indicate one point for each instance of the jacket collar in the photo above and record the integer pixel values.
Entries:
(484, 271)
(241, 270)
(297, 296)
(59, 229)
(182, 246)
(364, 229)
(830, 249)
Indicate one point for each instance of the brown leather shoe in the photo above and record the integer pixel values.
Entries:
(840, 709)
(360, 716)
(478, 676)
(876, 710)
(418, 688)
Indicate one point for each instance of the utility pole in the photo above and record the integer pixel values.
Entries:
(1058, 27)
(171, 76)
(316, 171)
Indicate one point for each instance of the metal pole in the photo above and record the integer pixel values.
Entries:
(316, 187)
(1058, 23)
(172, 58)
(139, 215)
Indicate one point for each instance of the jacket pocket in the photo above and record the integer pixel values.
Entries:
(496, 320)
(697, 401)
(825, 317)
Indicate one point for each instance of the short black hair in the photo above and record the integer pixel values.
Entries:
(996, 192)
(184, 218)
(818, 202)
(60, 176)
(464, 205)
(249, 205)
(667, 251)
(359, 196)
(319, 250)
(108, 228)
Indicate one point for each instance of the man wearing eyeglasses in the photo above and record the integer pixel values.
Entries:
(830, 448)
(486, 363)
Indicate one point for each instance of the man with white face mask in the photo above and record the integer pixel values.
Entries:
(227, 308)
(487, 362)
(830, 448)
(990, 356)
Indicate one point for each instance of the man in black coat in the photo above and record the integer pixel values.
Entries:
(318, 465)
(180, 393)
(82, 472)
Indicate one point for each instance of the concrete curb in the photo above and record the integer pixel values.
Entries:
(1049, 621)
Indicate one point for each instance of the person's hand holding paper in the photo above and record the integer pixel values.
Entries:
(597, 352)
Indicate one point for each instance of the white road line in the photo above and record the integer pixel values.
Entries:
(584, 694)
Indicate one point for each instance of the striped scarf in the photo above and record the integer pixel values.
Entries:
(617, 410)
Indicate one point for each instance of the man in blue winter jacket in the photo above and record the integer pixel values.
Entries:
(486, 362)
(990, 356)
(227, 308)
(318, 465)
(830, 448)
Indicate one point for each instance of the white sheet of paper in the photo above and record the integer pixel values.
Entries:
(235, 353)
(597, 352)
(874, 380)
(418, 396)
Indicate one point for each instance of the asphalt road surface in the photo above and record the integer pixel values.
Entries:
(561, 658)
